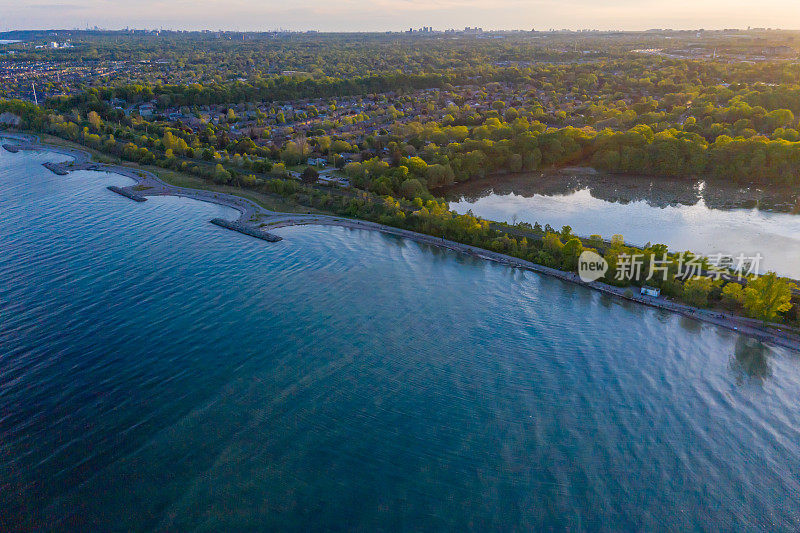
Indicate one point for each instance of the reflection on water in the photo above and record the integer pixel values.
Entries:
(655, 192)
(701, 216)
(750, 361)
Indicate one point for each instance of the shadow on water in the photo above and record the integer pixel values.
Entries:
(656, 192)
(434, 251)
(690, 324)
(750, 361)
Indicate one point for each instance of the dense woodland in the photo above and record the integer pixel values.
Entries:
(400, 117)
(667, 124)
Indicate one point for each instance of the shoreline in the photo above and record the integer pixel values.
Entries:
(260, 219)
(146, 183)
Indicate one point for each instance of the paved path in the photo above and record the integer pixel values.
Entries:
(252, 214)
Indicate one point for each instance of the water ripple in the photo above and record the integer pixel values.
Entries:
(159, 372)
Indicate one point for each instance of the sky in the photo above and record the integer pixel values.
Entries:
(395, 15)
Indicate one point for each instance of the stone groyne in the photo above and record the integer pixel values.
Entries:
(247, 230)
(56, 168)
(126, 193)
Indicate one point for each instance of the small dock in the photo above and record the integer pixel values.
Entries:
(126, 193)
(247, 230)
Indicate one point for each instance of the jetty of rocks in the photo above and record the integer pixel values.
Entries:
(56, 168)
(247, 230)
(126, 193)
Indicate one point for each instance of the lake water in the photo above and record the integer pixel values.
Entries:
(685, 215)
(159, 372)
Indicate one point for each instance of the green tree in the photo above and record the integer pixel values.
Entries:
(696, 290)
(552, 244)
(768, 295)
(412, 188)
(439, 175)
(94, 120)
(571, 252)
(221, 175)
(733, 293)
(309, 175)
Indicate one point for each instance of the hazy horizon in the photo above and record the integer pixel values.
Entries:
(397, 15)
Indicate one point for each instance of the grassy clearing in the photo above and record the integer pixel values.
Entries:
(267, 201)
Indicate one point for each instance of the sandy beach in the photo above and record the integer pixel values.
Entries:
(257, 217)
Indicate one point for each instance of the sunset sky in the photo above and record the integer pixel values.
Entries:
(380, 15)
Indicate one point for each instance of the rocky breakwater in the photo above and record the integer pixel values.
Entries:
(247, 230)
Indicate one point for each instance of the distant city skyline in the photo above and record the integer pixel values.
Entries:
(397, 15)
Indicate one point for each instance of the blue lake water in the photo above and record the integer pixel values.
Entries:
(160, 373)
